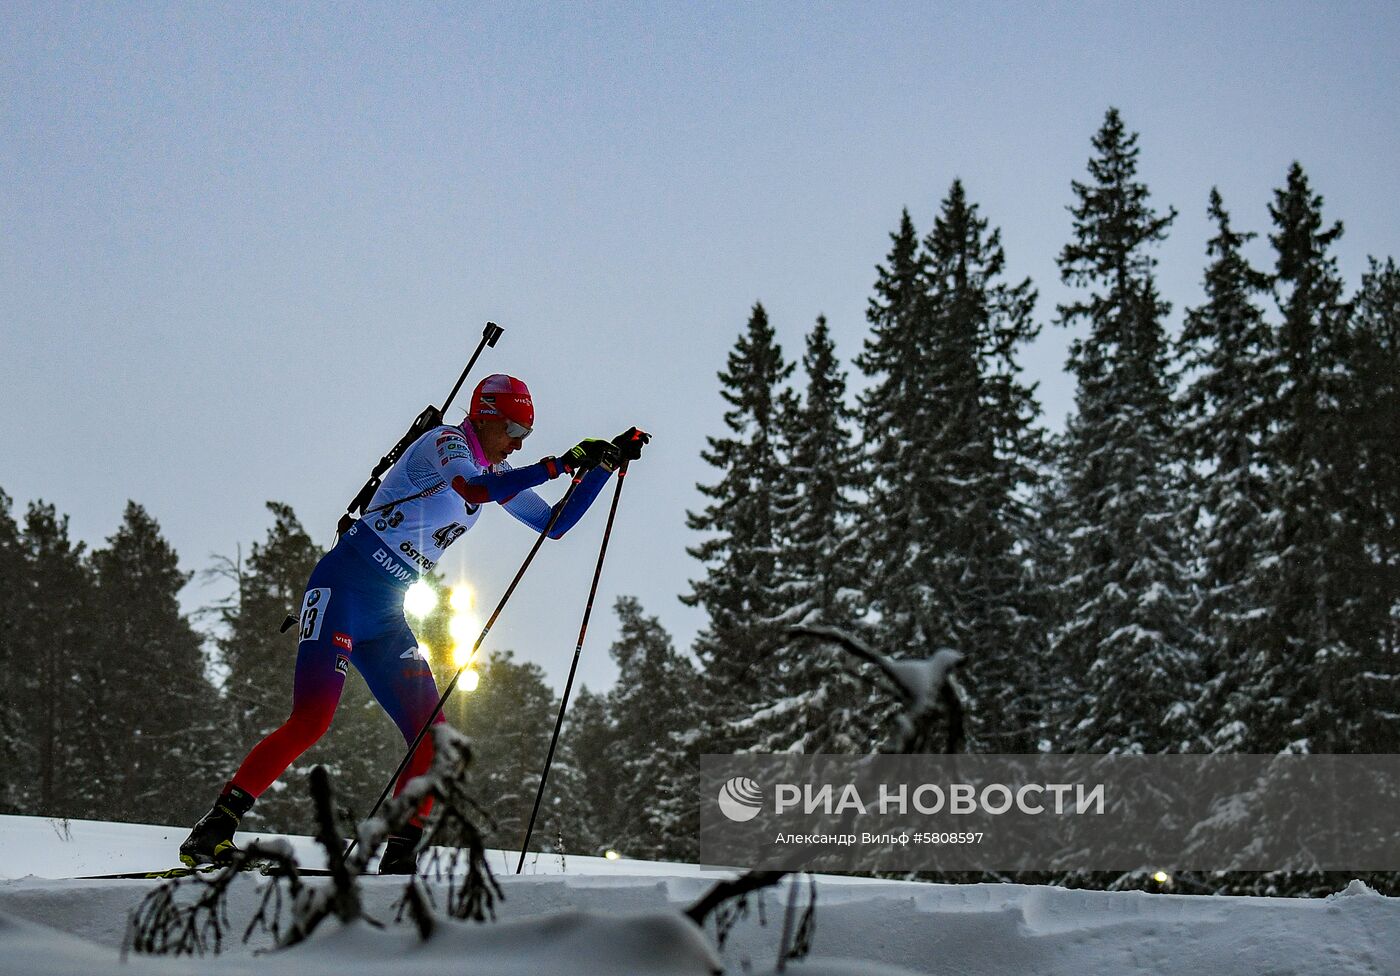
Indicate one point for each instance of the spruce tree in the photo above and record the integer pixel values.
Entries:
(817, 508)
(740, 553)
(1124, 594)
(1227, 413)
(894, 417)
(152, 707)
(817, 704)
(60, 640)
(979, 461)
(1376, 422)
(652, 707)
(15, 769)
(593, 811)
(952, 447)
(1309, 683)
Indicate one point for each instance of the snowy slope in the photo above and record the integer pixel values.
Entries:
(591, 916)
(47, 848)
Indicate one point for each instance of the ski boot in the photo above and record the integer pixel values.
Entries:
(211, 840)
(401, 851)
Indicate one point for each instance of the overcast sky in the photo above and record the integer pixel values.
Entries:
(243, 245)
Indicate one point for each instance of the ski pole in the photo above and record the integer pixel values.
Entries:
(442, 699)
(578, 648)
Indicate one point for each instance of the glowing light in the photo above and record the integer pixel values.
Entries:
(420, 600)
(462, 655)
(464, 628)
(461, 598)
(470, 679)
(612, 855)
(1161, 877)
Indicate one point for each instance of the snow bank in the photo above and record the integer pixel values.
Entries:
(44, 847)
(587, 916)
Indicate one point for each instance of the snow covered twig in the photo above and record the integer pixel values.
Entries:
(928, 688)
(162, 926)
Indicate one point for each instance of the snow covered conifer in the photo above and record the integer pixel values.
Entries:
(1125, 596)
(633, 748)
(740, 550)
(1376, 325)
(13, 743)
(980, 453)
(150, 695)
(817, 705)
(592, 811)
(1310, 665)
(1228, 411)
(893, 413)
(652, 707)
(951, 449)
(48, 639)
(817, 508)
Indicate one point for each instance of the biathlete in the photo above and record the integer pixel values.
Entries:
(352, 612)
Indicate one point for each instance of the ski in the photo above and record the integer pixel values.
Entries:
(266, 868)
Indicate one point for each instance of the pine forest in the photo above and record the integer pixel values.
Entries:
(1206, 559)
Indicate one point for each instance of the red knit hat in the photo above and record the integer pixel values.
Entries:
(505, 396)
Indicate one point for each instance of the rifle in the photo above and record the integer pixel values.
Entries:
(430, 417)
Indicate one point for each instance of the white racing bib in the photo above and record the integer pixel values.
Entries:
(313, 613)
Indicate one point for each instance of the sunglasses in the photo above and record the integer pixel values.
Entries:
(519, 431)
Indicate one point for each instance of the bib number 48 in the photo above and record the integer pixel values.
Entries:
(448, 534)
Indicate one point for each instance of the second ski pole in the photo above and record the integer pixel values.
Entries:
(573, 669)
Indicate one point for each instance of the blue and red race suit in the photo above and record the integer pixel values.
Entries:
(352, 611)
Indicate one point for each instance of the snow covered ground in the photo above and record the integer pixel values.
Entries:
(586, 916)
